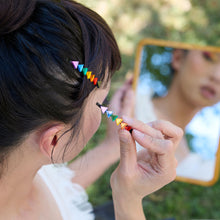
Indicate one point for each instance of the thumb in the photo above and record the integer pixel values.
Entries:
(128, 154)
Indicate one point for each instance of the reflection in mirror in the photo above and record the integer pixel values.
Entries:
(183, 86)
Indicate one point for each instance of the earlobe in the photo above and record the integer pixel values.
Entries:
(49, 138)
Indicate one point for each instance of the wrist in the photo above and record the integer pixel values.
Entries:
(128, 209)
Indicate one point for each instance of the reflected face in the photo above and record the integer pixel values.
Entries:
(197, 74)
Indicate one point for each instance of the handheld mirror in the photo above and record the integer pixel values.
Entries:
(180, 83)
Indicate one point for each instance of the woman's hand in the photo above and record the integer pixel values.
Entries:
(142, 173)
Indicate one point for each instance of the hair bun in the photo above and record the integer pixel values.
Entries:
(14, 14)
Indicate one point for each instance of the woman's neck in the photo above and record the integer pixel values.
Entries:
(17, 184)
(173, 107)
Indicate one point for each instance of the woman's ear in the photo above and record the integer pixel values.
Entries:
(177, 59)
(48, 138)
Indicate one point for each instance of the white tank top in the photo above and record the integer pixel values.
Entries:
(71, 198)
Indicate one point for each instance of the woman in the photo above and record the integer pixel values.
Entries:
(48, 113)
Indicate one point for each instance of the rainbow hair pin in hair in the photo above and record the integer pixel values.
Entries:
(86, 73)
(119, 121)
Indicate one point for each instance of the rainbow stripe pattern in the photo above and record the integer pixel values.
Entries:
(119, 121)
(80, 67)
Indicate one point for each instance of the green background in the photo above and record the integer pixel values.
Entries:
(195, 21)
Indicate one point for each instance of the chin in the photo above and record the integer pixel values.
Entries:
(198, 103)
(205, 103)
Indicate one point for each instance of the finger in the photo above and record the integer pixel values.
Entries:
(162, 148)
(128, 155)
(129, 77)
(127, 84)
(159, 146)
(143, 127)
(170, 130)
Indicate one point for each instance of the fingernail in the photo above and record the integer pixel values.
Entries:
(123, 136)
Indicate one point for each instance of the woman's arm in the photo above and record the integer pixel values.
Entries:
(89, 167)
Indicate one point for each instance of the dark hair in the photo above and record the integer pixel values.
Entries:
(38, 84)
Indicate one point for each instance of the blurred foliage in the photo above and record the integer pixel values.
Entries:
(194, 21)
(191, 21)
(156, 64)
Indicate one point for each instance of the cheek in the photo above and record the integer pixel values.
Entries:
(91, 122)
(197, 69)
(186, 80)
(192, 73)
(89, 125)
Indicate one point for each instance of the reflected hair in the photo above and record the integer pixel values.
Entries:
(38, 84)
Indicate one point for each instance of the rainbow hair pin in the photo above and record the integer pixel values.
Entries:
(86, 73)
(96, 82)
(119, 121)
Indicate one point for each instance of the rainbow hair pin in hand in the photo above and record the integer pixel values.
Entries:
(119, 121)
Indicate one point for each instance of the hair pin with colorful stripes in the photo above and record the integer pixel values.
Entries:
(86, 73)
(119, 121)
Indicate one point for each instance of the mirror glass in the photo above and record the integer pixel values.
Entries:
(182, 85)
